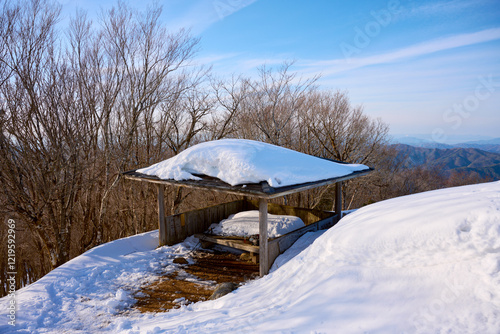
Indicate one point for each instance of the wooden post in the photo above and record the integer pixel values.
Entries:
(338, 199)
(161, 216)
(263, 246)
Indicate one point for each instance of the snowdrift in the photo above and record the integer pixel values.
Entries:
(426, 263)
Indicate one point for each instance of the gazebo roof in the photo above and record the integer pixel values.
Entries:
(248, 168)
(259, 190)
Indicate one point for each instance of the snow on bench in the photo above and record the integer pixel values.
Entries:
(246, 223)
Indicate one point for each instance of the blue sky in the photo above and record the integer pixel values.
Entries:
(430, 68)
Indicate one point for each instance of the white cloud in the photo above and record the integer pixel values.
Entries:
(333, 66)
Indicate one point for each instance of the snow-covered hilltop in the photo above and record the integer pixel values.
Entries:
(423, 263)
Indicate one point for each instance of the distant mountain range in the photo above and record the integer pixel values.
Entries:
(486, 163)
(490, 145)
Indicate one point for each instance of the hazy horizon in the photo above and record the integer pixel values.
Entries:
(451, 140)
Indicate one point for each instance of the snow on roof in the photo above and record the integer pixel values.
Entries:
(241, 161)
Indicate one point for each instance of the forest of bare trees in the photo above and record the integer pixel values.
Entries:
(81, 104)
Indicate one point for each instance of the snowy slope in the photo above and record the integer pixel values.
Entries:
(426, 263)
(241, 161)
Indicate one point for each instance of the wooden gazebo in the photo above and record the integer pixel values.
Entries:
(174, 229)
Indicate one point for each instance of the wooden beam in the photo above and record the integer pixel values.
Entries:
(161, 216)
(338, 199)
(229, 242)
(262, 190)
(263, 242)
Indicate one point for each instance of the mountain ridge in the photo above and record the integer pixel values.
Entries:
(489, 145)
(459, 159)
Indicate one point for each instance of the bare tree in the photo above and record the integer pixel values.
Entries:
(42, 135)
(182, 119)
(330, 127)
(150, 64)
(230, 96)
(272, 105)
(344, 132)
(77, 114)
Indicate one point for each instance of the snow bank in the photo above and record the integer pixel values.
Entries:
(426, 263)
(239, 161)
(84, 294)
(246, 223)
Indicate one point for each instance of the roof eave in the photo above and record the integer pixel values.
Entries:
(244, 190)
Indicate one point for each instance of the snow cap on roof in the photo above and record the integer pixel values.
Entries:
(241, 161)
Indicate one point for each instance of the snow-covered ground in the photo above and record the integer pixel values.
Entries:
(426, 263)
(242, 161)
(246, 223)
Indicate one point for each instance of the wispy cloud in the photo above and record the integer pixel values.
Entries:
(212, 59)
(340, 65)
(202, 14)
(439, 7)
(240, 63)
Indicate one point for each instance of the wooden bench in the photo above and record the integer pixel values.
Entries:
(276, 246)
